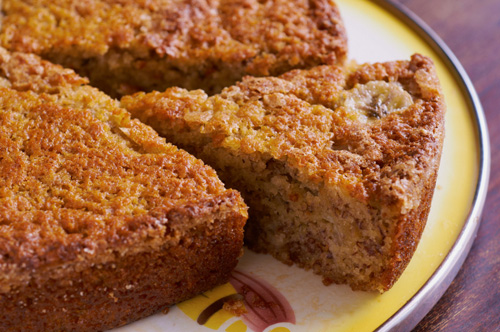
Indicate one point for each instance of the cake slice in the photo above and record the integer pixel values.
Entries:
(101, 221)
(126, 46)
(338, 166)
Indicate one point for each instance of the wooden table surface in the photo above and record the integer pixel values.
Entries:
(471, 28)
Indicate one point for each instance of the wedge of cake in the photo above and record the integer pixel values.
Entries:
(128, 45)
(338, 166)
(101, 221)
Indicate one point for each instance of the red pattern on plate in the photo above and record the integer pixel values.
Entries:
(266, 306)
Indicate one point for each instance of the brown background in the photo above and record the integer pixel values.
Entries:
(471, 28)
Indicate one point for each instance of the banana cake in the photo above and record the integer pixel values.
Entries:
(125, 46)
(101, 221)
(338, 165)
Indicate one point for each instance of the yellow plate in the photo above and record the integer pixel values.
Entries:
(378, 31)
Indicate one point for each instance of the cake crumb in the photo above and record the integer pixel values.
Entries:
(235, 307)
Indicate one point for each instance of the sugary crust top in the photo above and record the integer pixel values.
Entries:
(379, 140)
(264, 35)
(81, 182)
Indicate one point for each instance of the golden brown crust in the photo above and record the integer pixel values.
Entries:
(128, 45)
(82, 185)
(412, 150)
(375, 131)
(317, 137)
(113, 294)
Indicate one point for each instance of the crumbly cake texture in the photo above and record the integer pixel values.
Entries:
(338, 166)
(101, 221)
(125, 46)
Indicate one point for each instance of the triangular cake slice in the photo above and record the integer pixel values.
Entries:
(338, 166)
(101, 221)
(128, 45)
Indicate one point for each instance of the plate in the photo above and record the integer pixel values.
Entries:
(377, 31)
